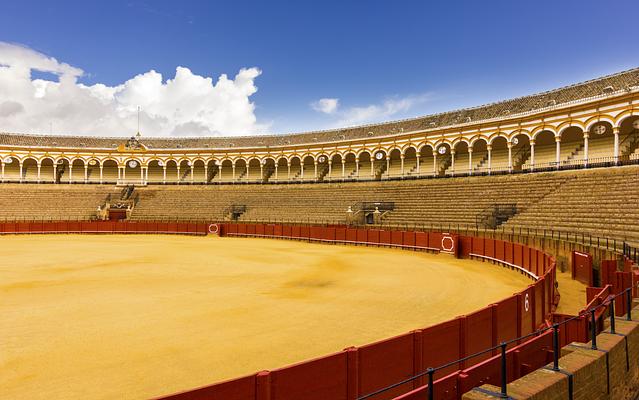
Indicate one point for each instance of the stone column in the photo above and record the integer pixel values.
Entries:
(558, 151)
(532, 154)
(615, 131)
(86, 173)
(55, 172)
(586, 136)
(510, 157)
(434, 163)
(178, 174)
(452, 161)
(372, 166)
(315, 166)
(401, 164)
(357, 167)
(490, 158)
(39, 172)
(164, 174)
(343, 168)
(101, 172)
(417, 157)
(206, 173)
(70, 172)
(470, 160)
(192, 171)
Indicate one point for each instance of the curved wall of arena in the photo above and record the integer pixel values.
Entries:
(594, 122)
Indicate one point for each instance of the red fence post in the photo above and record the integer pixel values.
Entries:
(263, 383)
(352, 373)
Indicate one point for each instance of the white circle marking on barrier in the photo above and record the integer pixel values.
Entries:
(214, 228)
(451, 243)
(526, 303)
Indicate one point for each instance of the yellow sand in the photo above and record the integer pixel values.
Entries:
(573, 294)
(132, 317)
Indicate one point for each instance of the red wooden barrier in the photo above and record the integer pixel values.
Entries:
(383, 363)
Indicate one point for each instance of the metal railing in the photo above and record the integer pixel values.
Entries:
(590, 312)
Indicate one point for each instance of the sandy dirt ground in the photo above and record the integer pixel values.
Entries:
(133, 317)
(573, 294)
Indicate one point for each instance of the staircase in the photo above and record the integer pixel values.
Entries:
(379, 171)
(495, 215)
(234, 212)
(322, 172)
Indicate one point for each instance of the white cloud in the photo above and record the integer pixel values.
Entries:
(326, 106)
(188, 104)
(390, 108)
(394, 107)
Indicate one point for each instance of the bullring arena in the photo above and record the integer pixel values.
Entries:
(484, 252)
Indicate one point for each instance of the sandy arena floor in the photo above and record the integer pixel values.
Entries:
(132, 317)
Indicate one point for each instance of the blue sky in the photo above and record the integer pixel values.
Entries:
(381, 59)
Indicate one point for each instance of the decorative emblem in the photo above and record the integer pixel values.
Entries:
(214, 228)
(92, 162)
(515, 141)
(133, 144)
(132, 163)
(322, 159)
(160, 163)
(442, 150)
(379, 155)
(8, 160)
(599, 129)
(635, 124)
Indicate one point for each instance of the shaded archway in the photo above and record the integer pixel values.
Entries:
(365, 167)
(295, 165)
(109, 171)
(459, 159)
(241, 170)
(29, 170)
(308, 169)
(46, 171)
(350, 166)
(254, 171)
(171, 171)
(185, 173)
(425, 161)
(93, 171)
(572, 146)
(62, 171)
(442, 160)
(269, 169)
(599, 144)
(520, 151)
(335, 166)
(132, 171)
(479, 157)
(212, 171)
(225, 174)
(10, 169)
(281, 172)
(155, 172)
(199, 175)
(395, 165)
(543, 153)
(498, 160)
(410, 161)
(629, 139)
(380, 164)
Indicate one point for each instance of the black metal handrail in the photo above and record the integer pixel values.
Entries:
(503, 347)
